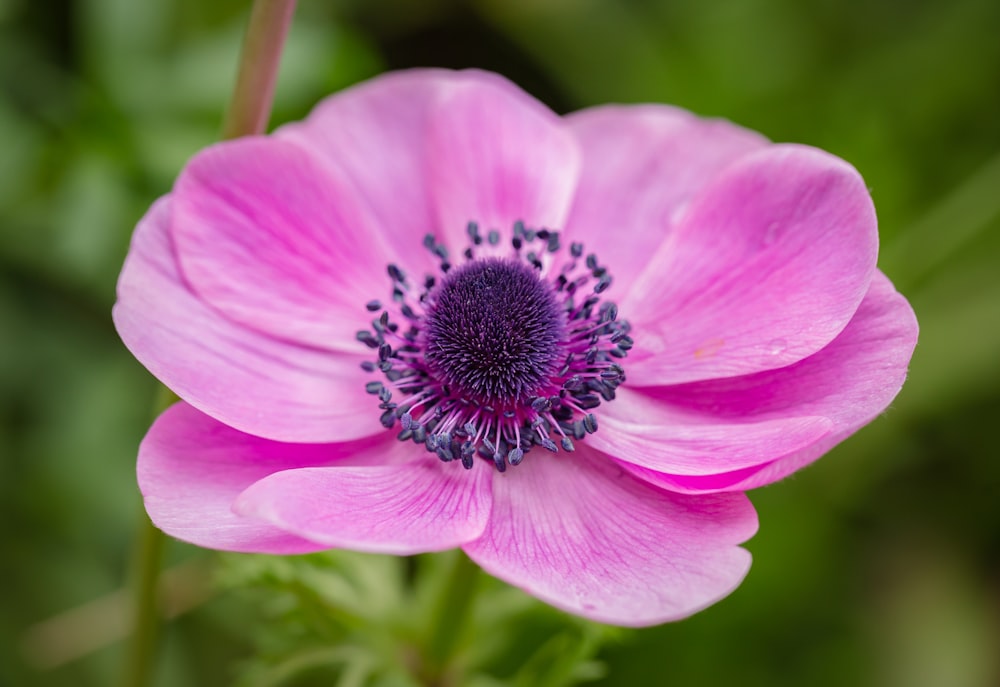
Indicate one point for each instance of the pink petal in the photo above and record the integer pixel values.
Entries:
(377, 133)
(256, 383)
(672, 438)
(582, 535)
(496, 155)
(191, 468)
(641, 166)
(850, 382)
(403, 508)
(277, 242)
(766, 267)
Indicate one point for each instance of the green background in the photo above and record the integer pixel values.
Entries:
(878, 566)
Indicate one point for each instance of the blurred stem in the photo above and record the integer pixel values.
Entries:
(955, 222)
(249, 111)
(450, 613)
(250, 107)
(150, 543)
(146, 603)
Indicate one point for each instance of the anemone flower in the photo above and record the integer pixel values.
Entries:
(434, 314)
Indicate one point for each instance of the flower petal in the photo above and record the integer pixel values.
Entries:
(246, 379)
(192, 467)
(641, 166)
(277, 242)
(642, 429)
(766, 267)
(849, 382)
(582, 535)
(496, 155)
(403, 508)
(376, 132)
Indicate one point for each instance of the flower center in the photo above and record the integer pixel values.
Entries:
(494, 329)
(503, 354)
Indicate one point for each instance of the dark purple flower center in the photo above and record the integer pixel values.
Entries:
(494, 329)
(503, 354)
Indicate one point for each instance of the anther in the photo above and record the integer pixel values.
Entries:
(395, 273)
(367, 339)
(472, 229)
(540, 405)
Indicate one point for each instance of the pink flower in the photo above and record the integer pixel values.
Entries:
(281, 290)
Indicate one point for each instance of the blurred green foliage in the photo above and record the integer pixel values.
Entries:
(879, 566)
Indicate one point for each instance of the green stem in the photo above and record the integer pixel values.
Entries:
(450, 614)
(250, 107)
(150, 544)
(146, 604)
(249, 111)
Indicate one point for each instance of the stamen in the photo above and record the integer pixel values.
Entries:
(495, 356)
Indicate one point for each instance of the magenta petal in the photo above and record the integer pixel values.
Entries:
(253, 382)
(403, 508)
(641, 166)
(496, 155)
(766, 267)
(277, 242)
(645, 431)
(577, 532)
(377, 133)
(191, 468)
(850, 382)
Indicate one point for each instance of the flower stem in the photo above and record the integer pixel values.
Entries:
(450, 613)
(146, 604)
(150, 543)
(250, 106)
